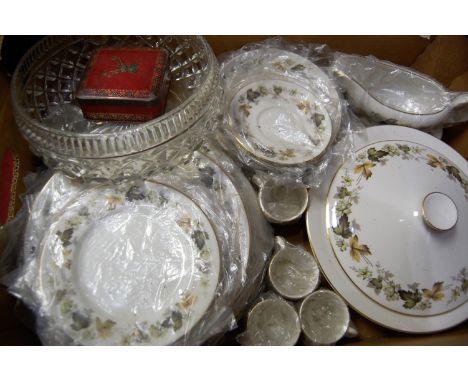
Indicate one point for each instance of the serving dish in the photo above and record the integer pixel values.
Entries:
(375, 241)
(392, 94)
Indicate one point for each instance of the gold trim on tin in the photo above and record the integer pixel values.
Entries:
(14, 182)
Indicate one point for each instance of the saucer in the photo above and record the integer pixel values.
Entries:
(280, 121)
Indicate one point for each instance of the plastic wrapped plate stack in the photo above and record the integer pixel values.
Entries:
(150, 241)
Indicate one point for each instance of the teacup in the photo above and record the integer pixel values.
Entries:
(325, 318)
(274, 322)
(283, 203)
(293, 272)
(392, 94)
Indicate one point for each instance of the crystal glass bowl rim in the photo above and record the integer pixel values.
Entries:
(19, 78)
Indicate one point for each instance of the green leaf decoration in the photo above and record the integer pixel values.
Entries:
(375, 155)
(343, 229)
(126, 340)
(343, 192)
(411, 298)
(252, 95)
(262, 90)
(104, 328)
(464, 285)
(177, 320)
(134, 193)
(405, 148)
(298, 68)
(207, 176)
(199, 237)
(167, 323)
(66, 307)
(455, 172)
(80, 321)
(277, 89)
(376, 284)
(318, 118)
(205, 254)
(65, 236)
(163, 199)
(156, 332)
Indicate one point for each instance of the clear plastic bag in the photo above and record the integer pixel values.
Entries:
(284, 115)
(293, 272)
(272, 321)
(385, 93)
(162, 261)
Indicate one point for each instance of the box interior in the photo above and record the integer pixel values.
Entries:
(443, 57)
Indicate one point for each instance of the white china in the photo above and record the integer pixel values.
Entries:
(293, 272)
(392, 94)
(324, 318)
(389, 227)
(129, 265)
(259, 231)
(272, 322)
(280, 122)
(282, 203)
(283, 108)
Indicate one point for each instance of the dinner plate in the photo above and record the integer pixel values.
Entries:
(130, 264)
(389, 230)
(283, 108)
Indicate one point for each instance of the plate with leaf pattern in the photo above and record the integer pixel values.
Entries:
(389, 230)
(280, 121)
(289, 97)
(136, 263)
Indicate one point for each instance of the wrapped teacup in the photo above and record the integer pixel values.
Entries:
(293, 272)
(325, 318)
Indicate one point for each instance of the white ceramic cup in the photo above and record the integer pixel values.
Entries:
(324, 318)
(283, 204)
(293, 272)
(272, 322)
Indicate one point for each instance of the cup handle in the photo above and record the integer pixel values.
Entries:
(458, 109)
(352, 331)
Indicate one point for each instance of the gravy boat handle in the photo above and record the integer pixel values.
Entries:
(458, 109)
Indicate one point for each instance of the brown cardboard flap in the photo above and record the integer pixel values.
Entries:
(401, 50)
(444, 59)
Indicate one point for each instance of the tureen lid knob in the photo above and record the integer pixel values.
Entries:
(439, 211)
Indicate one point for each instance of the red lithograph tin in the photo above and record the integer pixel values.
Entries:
(125, 84)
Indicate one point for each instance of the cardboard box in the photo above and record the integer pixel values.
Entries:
(443, 57)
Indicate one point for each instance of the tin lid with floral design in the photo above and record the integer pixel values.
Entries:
(396, 218)
(125, 74)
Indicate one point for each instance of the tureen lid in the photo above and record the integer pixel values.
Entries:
(396, 221)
